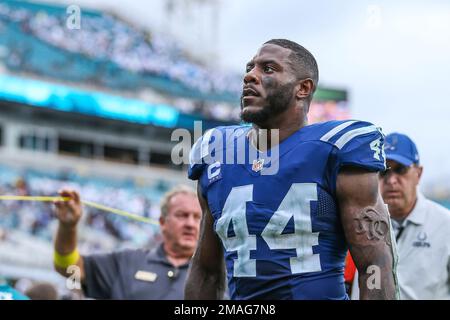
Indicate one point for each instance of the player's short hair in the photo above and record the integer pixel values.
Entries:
(165, 202)
(303, 62)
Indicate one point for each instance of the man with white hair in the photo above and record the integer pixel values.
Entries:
(140, 274)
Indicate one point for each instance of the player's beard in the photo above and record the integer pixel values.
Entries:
(278, 100)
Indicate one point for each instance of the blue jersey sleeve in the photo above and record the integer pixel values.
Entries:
(196, 162)
(365, 151)
(206, 151)
(359, 144)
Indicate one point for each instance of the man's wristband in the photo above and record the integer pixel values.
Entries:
(63, 261)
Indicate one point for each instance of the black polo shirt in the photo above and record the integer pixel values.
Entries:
(133, 274)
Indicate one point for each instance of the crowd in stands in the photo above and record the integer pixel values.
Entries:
(104, 37)
(35, 218)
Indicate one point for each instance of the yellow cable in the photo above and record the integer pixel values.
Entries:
(120, 212)
(87, 203)
(32, 198)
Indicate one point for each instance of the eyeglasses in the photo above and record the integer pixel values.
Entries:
(398, 170)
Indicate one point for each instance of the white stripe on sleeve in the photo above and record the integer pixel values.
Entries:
(327, 136)
(342, 141)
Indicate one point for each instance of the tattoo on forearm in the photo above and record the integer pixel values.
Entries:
(373, 224)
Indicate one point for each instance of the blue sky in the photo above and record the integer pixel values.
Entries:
(392, 56)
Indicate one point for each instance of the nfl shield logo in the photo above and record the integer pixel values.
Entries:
(257, 165)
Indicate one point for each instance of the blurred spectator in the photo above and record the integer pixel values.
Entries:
(421, 225)
(42, 291)
(21, 187)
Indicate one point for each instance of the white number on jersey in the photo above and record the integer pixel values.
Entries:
(295, 204)
(242, 242)
(375, 146)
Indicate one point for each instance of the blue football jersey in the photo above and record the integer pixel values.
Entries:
(276, 212)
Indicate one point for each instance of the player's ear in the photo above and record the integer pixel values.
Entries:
(305, 88)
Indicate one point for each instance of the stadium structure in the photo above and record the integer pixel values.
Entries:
(93, 109)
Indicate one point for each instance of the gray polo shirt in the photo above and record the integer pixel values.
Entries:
(133, 274)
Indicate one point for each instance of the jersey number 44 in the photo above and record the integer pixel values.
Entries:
(296, 205)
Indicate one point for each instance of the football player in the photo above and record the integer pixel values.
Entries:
(279, 224)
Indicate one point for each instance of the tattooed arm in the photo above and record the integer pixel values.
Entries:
(366, 224)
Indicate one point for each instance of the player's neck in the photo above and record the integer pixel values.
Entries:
(264, 139)
(269, 135)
